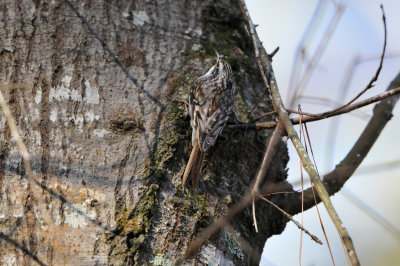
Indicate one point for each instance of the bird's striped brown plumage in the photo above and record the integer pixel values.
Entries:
(210, 104)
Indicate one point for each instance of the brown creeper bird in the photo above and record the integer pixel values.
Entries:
(210, 104)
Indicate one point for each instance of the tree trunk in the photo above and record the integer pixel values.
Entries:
(96, 88)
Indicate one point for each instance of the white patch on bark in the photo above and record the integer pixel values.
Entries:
(76, 220)
(198, 31)
(160, 259)
(61, 92)
(35, 114)
(140, 18)
(38, 96)
(53, 115)
(215, 256)
(9, 259)
(196, 47)
(78, 121)
(100, 132)
(90, 117)
(91, 94)
(75, 96)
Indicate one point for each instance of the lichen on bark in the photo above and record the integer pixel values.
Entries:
(133, 226)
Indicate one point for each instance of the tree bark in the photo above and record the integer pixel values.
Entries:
(96, 89)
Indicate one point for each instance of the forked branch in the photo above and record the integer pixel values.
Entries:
(320, 116)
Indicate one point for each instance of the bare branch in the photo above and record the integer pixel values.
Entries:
(268, 155)
(264, 115)
(321, 116)
(352, 107)
(313, 237)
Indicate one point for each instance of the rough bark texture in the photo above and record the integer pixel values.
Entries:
(95, 88)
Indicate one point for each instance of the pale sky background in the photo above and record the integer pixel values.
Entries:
(358, 33)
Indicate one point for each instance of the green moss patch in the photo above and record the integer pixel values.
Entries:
(133, 226)
(174, 132)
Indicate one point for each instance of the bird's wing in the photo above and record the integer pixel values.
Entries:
(210, 113)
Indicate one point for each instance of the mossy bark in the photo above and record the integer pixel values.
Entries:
(96, 89)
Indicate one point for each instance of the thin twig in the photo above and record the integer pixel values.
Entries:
(254, 214)
(281, 192)
(362, 114)
(312, 187)
(317, 56)
(258, 102)
(33, 184)
(341, 96)
(323, 227)
(313, 237)
(302, 192)
(352, 107)
(344, 170)
(264, 115)
(308, 35)
(321, 100)
(274, 52)
(290, 111)
(378, 71)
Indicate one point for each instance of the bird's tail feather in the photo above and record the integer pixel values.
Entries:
(193, 166)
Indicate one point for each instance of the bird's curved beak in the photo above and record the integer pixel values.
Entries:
(218, 56)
